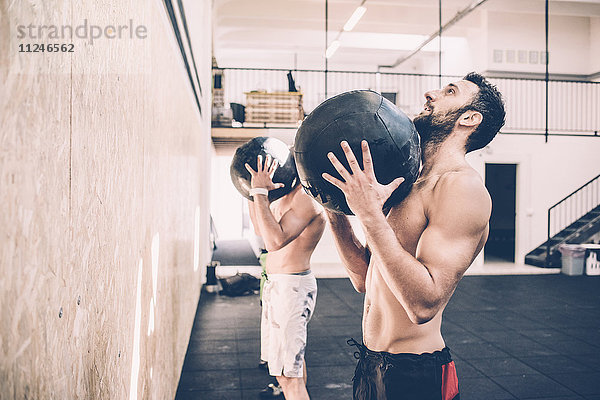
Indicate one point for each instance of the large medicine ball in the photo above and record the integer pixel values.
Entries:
(248, 152)
(355, 116)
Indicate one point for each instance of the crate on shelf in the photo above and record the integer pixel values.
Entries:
(218, 98)
(274, 107)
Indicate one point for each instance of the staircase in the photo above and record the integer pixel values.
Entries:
(573, 220)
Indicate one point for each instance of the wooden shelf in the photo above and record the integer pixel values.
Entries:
(227, 138)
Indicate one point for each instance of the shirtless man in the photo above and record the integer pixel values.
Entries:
(290, 228)
(417, 254)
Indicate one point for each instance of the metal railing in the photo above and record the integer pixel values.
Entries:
(568, 210)
(572, 109)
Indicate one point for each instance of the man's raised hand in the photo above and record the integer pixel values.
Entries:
(363, 193)
(263, 177)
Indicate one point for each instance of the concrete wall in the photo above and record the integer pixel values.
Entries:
(104, 170)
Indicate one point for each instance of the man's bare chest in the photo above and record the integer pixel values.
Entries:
(279, 209)
(409, 219)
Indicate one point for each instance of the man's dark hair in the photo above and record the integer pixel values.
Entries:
(488, 101)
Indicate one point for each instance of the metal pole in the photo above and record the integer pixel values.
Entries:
(326, 41)
(548, 242)
(440, 44)
(547, 73)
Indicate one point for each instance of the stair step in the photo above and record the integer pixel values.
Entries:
(574, 233)
(535, 262)
(537, 252)
(539, 261)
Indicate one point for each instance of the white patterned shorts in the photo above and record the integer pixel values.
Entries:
(288, 304)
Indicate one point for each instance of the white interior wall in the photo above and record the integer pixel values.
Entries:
(569, 43)
(226, 202)
(510, 32)
(594, 40)
(546, 172)
(478, 41)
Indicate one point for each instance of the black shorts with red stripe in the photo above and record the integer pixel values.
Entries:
(404, 376)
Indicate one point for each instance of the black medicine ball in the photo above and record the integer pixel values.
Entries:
(355, 116)
(248, 152)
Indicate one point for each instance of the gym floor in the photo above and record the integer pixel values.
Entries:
(512, 337)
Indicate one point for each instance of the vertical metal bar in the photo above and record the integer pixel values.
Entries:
(580, 204)
(440, 44)
(583, 103)
(548, 241)
(588, 205)
(589, 102)
(584, 200)
(547, 74)
(326, 41)
(570, 206)
(596, 126)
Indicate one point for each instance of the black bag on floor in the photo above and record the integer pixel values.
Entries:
(240, 284)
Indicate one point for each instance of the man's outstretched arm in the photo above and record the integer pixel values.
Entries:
(351, 251)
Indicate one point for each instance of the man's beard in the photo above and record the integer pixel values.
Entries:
(433, 128)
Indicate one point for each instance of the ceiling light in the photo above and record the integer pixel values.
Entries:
(356, 16)
(332, 48)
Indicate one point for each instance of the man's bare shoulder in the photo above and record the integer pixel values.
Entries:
(305, 204)
(463, 194)
(460, 182)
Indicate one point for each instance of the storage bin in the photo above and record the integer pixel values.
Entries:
(572, 259)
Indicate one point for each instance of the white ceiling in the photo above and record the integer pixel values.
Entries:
(291, 33)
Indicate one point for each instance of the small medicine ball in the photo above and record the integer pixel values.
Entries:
(355, 116)
(248, 152)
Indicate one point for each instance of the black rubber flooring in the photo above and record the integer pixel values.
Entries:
(512, 337)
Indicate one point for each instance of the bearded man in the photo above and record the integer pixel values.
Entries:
(415, 255)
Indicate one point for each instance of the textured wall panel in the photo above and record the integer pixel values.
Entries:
(104, 168)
